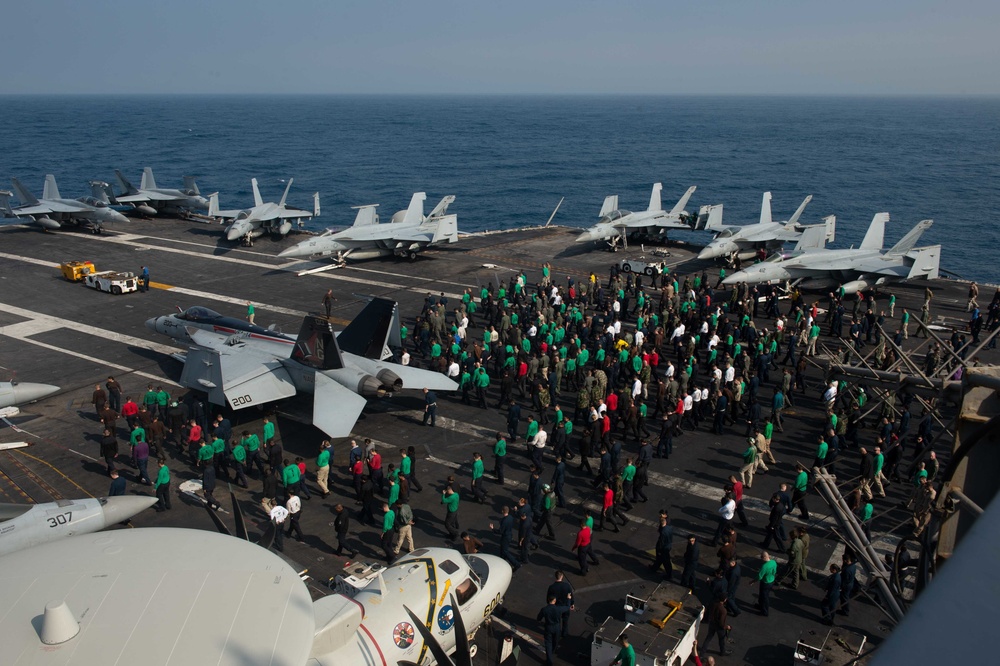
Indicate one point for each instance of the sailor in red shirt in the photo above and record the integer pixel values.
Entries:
(737, 486)
(358, 475)
(584, 549)
(375, 469)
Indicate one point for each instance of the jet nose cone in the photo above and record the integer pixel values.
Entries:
(27, 392)
(122, 508)
(585, 237)
(118, 217)
(708, 252)
(293, 251)
(235, 232)
(153, 324)
(735, 278)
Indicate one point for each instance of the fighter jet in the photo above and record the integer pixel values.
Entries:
(243, 365)
(408, 233)
(854, 269)
(18, 393)
(54, 212)
(273, 218)
(746, 240)
(150, 199)
(26, 525)
(615, 225)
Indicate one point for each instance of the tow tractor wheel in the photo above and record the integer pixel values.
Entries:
(627, 268)
(116, 290)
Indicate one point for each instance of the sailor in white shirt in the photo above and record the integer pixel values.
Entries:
(453, 370)
(639, 338)
(730, 373)
(678, 333)
(636, 388)
(669, 372)
(405, 359)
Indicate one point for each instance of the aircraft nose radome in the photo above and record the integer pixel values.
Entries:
(294, 251)
(120, 509)
(585, 237)
(735, 278)
(27, 392)
(708, 252)
(151, 324)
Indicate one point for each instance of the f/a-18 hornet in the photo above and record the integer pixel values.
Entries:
(54, 212)
(616, 225)
(264, 218)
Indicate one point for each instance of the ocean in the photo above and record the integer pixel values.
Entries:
(509, 159)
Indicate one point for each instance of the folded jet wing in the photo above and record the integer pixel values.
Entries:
(240, 378)
(335, 409)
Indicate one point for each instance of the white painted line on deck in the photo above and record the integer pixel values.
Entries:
(6, 446)
(83, 454)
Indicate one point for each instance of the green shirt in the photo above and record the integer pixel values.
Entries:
(532, 429)
(323, 459)
(268, 431)
(252, 442)
(239, 453)
(879, 462)
(150, 398)
(139, 434)
(162, 398)
(750, 454)
(206, 453)
(450, 501)
(388, 521)
(628, 473)
(802, 481)
(767, 572)
(290, 475)
(569, 428)
(163, 476)
(768, 430)
(500, 448)
(218, 446)
(393, 493)
(866, 513)
(477, 469)
(626, 656)
(405, 464)
(822, 450)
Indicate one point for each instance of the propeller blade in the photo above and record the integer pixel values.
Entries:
(462, 654)
(241, 525)
(440, 656)
(267, 538)
(219, 525)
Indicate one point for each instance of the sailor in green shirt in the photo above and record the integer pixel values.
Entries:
(290, 476)
(240, 460)
(532, 430)
(436, 349)
(626, 656)
(393, 491)
(162, 487)
(801, 486)
(252, 445)
(450, 499)
(766, 575)
(162, 400)
(138, 435)
(205, 454)
(268, 430)
(150, 398)
(477, 477)
(821, 452)
(218, 446)
(405, 464)
(500, 454)
(323, 467)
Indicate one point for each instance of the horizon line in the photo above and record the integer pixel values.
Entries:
(846, 95)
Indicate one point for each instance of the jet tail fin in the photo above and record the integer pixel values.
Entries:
(191, 185)
(415, 211)
(213, 204)
(875, 236)
(23, 194)
(147, 182)
(710, 218)
(610, 205)
(99, 190)
(830, 222)
(442, 208)
(366, 215)
(285, 195)
(794, 219)
(926, 262)
(317, 345)
(5, 196)
(257, 201)
(127, 187)
(655, 203)
(683, 201)
(372, 332)
(909, 241)
(813, 237)
(446, 231)
(50, 190)
(315, 204)
(765, 209)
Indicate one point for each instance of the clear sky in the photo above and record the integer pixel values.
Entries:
(545, 46)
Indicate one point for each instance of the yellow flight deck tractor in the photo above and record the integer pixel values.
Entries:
(75, 271)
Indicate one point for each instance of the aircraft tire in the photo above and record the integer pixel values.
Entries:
(473, 650)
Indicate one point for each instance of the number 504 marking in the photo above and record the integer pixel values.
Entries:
(61, 519)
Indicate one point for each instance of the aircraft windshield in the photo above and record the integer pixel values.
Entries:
(199, 313)
(243, 215)
(465, 591)
(614, 216)
(725, 233)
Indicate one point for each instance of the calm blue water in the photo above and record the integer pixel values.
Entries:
(509, 159)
